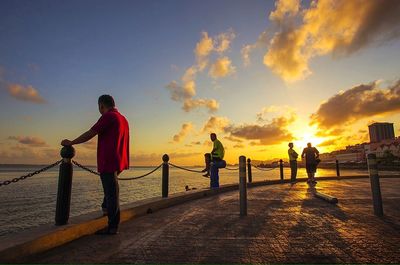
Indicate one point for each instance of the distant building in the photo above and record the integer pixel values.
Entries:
(383, 142)
(351, 157)
(380, 131)
(379, 149)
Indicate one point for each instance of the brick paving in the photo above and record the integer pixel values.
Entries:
(285, 224)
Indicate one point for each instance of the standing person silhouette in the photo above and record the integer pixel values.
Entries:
(311, 154)
(293, 162)
(112, 129)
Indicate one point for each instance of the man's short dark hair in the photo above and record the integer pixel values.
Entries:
(107, 101)
(213, 134)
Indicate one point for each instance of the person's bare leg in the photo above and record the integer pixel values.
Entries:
(207, 160)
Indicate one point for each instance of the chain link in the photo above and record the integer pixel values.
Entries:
(187, 169)
(227, 168)
(7, 182)
(85, 168)
(130, 178)
(142, 176)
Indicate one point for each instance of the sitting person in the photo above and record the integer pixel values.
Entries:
(217, 162)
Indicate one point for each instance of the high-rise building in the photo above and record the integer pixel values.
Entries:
(379, 131)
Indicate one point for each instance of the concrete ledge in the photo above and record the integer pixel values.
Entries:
(18, 248)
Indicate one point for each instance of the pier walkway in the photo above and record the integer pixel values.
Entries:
(285, 224)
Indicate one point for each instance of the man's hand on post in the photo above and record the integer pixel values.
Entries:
(66, 142)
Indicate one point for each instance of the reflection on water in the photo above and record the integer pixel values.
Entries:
(31, 202)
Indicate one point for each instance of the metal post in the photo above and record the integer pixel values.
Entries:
(281, 168)
(249, 174)
(375, 186)
(337, 168)
(242, 186)
(64, 186)
(165, 176)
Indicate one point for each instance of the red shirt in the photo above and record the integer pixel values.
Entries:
(113, 142)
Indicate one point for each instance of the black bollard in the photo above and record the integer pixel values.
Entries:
(249, 174)
(64, 186)
(165, 176)
(242, 186)
(281, 168)
(337, 168)
(375, 186)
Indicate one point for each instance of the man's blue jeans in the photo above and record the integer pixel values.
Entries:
(214, 176)
(111, 198)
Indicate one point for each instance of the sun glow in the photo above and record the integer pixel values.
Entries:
(306, 135)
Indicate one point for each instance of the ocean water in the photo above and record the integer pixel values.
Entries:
(31, 202)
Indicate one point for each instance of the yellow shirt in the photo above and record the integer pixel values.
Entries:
(218, 150)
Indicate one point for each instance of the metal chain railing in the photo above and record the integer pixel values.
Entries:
(264, 169)
(187, 169)
(85, 168)
(131, 178)
(142, 176)
(227, 168)
(7, 182)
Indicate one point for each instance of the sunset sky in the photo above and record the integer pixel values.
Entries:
(258, 73)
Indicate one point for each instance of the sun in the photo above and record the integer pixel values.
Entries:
(307, 135)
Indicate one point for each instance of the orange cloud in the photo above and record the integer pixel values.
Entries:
(329, 142)
(223, 41)
(186, 90)
(222, 67)
(91, 145)
(203, 48)
(211, 104)
(186, 128)
(25, 93)
(29, 155)
(28, 140)
(249, 48)
(338, 27)
(233, 139)
(215, 124)
(283, 9)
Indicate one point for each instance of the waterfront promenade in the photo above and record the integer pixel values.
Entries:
(285, 224)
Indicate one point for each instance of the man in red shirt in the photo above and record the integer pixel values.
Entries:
(112, 156)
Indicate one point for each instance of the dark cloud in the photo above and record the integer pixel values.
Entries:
(271, 133)
(356, 103)
(380, 23)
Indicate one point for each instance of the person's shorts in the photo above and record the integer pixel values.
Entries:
(311, 168)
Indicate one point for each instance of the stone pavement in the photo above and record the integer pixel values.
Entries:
(285, 224)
